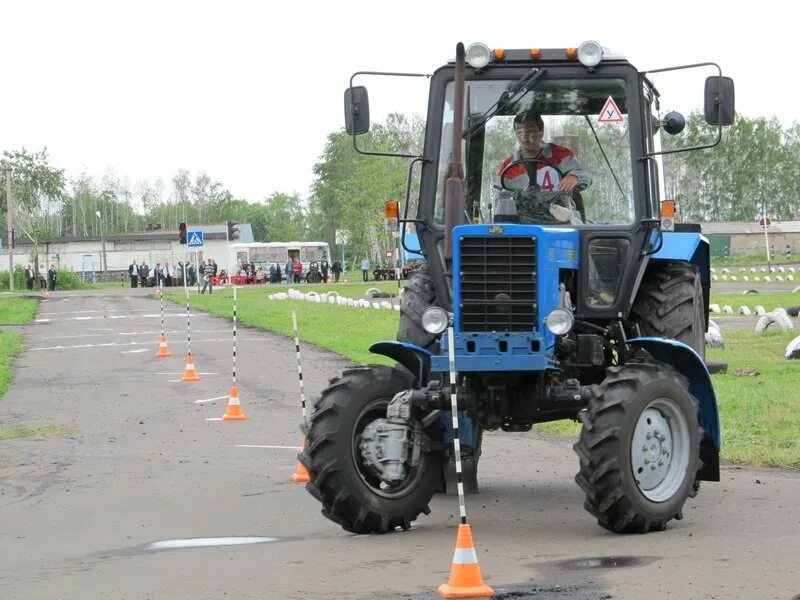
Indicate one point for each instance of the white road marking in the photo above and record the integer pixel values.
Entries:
(181, 373)
(154, 333)
(154, 344)
(210, 400)
(134, 351)
(41, 320)
(214, 419)
(207, 542)
(273, 447)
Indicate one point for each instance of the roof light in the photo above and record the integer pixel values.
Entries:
(590, 53)
(499, 54)
(572, 53)
(478, 55)
(536, 53)
(668, 208)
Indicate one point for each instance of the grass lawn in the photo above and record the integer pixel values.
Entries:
(769, 300)
(346, 331)
(17, 311)
(760, 415)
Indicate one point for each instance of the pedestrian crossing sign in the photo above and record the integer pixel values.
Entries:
(194, 239)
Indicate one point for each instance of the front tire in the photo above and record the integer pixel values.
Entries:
(351, 495)
(418, 296)
(639, 448)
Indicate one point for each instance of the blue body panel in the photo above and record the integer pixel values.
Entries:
(688, 363)
(556, 249)
(688, 247)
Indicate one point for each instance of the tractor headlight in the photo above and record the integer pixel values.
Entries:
(559, 321)
(590, 53)
(435, 320)
(478, 55)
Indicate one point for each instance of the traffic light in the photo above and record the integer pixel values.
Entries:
(182, 233)
(233, 231)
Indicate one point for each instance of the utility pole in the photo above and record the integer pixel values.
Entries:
(103, 243)
(10, 224)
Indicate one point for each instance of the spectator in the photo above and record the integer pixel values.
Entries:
(208, 277)
(29, 277)
(324, 268)
(337, 270)
(42, 280)
(272, 273)
(52, 275)
(288, 270)
(297, 270)
(144, 272)
(277, 273)
(365, 265)
(213, 267)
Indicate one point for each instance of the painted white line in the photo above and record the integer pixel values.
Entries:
(134, 351)
(78, 318)
(181, 373)
(41, 320)
(273, 447)
(214, 419)
(208, 542)
(154, 333)
(209, 400)
(172, 342)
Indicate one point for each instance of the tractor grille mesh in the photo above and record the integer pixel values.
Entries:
(498, 284)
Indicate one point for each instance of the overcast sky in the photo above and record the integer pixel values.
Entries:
(248, 92)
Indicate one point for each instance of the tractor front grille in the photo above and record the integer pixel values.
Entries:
(498, 284)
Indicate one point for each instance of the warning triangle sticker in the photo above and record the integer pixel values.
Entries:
(195, 240)
(610, 113)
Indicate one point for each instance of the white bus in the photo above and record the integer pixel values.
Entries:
(264, 253)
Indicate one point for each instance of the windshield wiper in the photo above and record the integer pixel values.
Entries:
(603, 152)
(507, 98)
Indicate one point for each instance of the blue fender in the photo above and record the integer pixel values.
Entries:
(414, 358)
(688, 363)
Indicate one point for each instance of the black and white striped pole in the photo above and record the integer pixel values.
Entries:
(163, 350)
(189, 374)
(234, 410)
(301, 475)
(465, 579)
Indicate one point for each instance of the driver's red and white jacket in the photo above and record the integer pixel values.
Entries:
(547, 178)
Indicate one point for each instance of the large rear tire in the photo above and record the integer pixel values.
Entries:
(639, 448)
(670, 305)
(350, 493)
(419, 294)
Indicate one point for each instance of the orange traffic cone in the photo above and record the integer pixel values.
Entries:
(189, 373)
(301, 475)
(465, 573)
(162, 347)
(234, 410)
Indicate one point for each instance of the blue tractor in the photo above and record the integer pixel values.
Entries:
(558, 271)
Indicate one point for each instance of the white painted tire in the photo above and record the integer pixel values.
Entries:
(760, 310)
(727, 310)
(714, 308)
(745, 310)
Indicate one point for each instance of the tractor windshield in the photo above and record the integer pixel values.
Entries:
(564, 143)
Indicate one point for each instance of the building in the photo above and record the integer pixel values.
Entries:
(740, 238)
(84, 254)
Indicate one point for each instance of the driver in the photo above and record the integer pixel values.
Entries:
(529, 130)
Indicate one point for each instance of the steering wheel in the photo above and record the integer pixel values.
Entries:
(521, 184)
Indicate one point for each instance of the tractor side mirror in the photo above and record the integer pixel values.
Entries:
(674, 122)
(719, 101)
(356, 110)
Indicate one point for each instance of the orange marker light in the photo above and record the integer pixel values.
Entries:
(536, 53)
(392, 209)
(572, 53)
(668, 208)
(499, 54)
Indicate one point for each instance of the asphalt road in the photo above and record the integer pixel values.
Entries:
(140, 464)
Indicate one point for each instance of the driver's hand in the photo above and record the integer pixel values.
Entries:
(568, 183)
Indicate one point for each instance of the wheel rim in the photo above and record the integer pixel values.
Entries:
(377, 410)
(660, 450)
